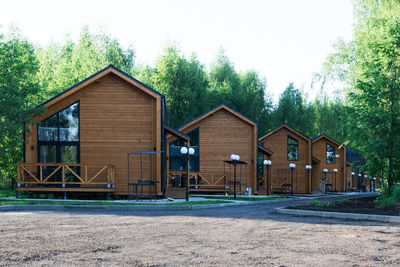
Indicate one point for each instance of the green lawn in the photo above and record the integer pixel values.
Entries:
(7, 192)
(243, 198)
(47, 202)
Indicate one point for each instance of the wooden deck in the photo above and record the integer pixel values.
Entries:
(60, 177)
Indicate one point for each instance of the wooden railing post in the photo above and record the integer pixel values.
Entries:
(86, 173)
(41, 172)
(108, 174)
(63, 174)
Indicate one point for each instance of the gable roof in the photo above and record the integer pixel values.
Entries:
(315, 139)
(287, 127)
(109, 69)
(265, 151)
(176, 133)
(214, 110)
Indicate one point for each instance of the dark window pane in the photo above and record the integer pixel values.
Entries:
(48, 154)
(292, 149)
(48, 129)
(330, 154)
(69, 123)
(69, 154)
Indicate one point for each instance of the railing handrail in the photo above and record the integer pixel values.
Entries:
(83, 178)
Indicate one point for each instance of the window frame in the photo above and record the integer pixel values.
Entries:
(59, 144)
(290, 145)
(334, 154)
(182, 158)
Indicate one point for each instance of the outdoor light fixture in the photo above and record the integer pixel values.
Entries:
(325, 170)
(184, 150)
(308, 167)
(267, 162)
(235, 157)
(191, 151)
(335, 171)
(292, 165)
(352, 173)
(365, 176)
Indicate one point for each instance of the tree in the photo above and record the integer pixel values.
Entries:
(182, 81)
(18, 88)
(61, 66)
(369, 66)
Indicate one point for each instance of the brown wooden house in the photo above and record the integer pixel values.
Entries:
(289, 147)
(332, 156)
(214, 137)
(80, 143)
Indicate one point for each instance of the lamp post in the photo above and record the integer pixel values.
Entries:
(352, 178)
(359, 181)
(268, 164)
(373, 184)
(234, 159)
(291, 166)
(308, 168)
(335, 171)
(187, 152)
(325, 171)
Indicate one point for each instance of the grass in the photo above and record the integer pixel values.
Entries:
(47, 202)
(7, 192)
(243, 198)
(322, 203)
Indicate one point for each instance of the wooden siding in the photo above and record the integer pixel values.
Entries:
(116, 117)
(277, 142)
(319, 151)
(221, 134)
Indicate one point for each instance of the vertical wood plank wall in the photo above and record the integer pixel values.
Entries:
(115, 118)
(319, 151)
(277, 142)
(223, 134)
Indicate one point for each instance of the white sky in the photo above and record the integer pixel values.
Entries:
(283, 40)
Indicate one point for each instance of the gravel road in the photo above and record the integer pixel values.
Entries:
(234, 236)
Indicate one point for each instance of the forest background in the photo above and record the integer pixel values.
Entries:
(363, 113)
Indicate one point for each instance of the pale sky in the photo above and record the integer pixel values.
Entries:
(284, 41)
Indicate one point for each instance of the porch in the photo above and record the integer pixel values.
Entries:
(63, 177)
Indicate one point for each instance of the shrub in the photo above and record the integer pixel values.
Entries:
(387, 199)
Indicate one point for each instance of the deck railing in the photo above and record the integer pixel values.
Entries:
(65, 175)
(197, 181)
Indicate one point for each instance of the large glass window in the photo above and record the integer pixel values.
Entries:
(58, 137)
(292, 149)
(330, 154)
(177, 161)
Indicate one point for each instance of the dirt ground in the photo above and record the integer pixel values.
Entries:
(366, 205)
(235, 236)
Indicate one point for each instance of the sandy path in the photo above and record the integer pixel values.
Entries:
(234, 236)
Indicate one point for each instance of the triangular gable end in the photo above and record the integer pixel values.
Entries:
(285, 126)
(328, 138)
(214, 110)
(110, 69)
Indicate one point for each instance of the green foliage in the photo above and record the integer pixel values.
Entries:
(387, 198)
(61, 66)
(18, 89)
(368, 66)
(7, 192)
(322, 203)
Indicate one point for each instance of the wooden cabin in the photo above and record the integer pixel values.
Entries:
(81, 141)
(214, 137)
(332, 156)
(289, 146)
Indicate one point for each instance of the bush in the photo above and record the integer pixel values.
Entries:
(386, 199)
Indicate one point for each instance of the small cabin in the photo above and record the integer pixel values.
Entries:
(289, 147)
(80, 143)
(332, 156)
(214, 137)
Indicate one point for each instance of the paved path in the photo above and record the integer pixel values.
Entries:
(230, 236)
